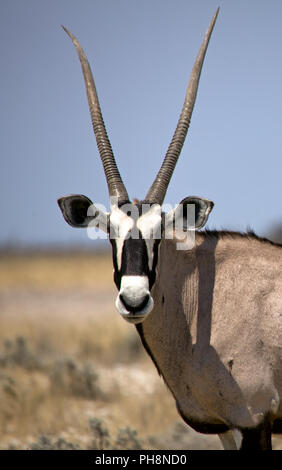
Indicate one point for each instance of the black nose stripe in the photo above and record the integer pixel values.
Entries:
(134, 257)
(136, 308)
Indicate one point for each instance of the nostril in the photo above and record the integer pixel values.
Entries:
(135, 308)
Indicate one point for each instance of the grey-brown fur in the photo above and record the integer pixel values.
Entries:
(215, 331)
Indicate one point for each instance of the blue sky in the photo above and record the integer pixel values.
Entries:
(141, 55)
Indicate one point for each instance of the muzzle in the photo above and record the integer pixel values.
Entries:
(134, 301)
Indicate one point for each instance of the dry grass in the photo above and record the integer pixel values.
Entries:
(72, 373)
(46, 270)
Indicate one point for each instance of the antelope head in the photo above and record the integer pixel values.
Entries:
(136, 228)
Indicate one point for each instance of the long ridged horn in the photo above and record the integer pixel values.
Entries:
(158, 189)
(114, 181)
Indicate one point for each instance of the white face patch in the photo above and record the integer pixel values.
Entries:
(121, 225)
(149, 225)
(134, 289)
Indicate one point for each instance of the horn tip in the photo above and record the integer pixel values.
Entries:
(216, 14)
(68, 32)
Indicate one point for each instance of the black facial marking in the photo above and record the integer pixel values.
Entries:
(152, 273)
(117, 273)
(134, 259)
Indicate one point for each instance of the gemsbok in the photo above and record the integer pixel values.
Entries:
(210, 315)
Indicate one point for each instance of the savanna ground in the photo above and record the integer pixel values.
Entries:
(73, 374)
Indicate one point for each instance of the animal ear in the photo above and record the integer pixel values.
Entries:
(191, 213)
(202, 210)
(79, 212)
